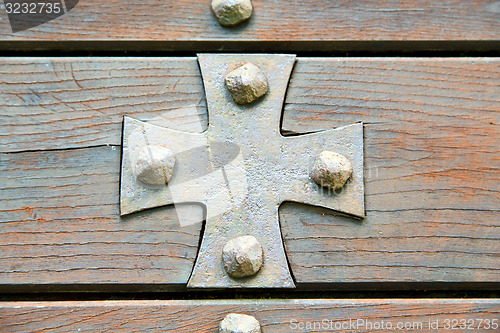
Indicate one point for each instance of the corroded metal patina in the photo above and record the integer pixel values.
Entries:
(242, 168)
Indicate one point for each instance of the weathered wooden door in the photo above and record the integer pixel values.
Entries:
(409, 91)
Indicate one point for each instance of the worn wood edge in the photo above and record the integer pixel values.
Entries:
(96, 288)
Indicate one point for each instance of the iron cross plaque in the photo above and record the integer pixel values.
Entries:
(241, 169)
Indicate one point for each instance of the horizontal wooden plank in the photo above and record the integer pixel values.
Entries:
(73, 102)
(396, 245)
(273, 20)
(60, 224)
(77, 102)
(431, 170)
(313, 315)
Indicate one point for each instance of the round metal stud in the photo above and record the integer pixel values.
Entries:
(331, 170)
(154, 165)
(232, 12)
(242, 256)
(246, 83)
(239, 323)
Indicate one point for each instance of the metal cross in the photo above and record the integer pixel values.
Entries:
(242, 168)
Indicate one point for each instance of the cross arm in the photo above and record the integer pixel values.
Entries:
(188, 149)
(299, 154)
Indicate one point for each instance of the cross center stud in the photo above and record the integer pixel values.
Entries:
(242, 168)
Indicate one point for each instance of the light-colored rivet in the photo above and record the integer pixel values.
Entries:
(331, 170)
(246, 83)
(232, 12)
(242, 256)
(154, 165)
(239, 323)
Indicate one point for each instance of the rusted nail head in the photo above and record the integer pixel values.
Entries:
(154, 165)
(242, 256)
(239, 323)
(331, 170)
(246, 83)
(232, 12)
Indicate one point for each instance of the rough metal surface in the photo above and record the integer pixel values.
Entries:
(154, 165)
(242, 256)
(239, 323)
(331, 170)
(232, 12)
(246, 83)
(252, 168)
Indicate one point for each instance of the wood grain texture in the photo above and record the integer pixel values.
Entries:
(432, 173)
(59, 215)
(431, 170)
(273, 315)
(76, 102)
(60, 224)
(273, 20)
